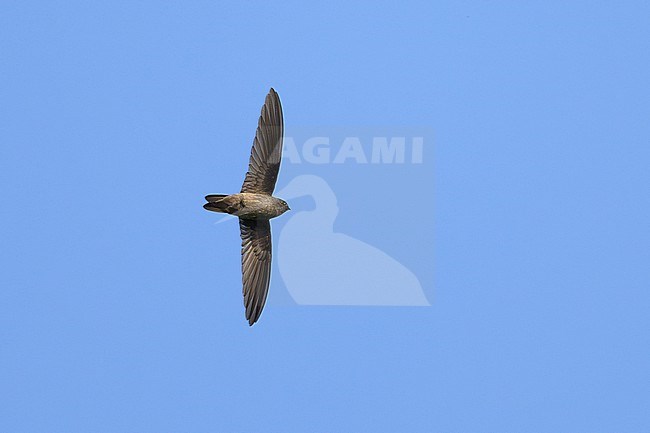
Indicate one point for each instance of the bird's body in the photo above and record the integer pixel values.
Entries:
(255, 206)
(249, 205)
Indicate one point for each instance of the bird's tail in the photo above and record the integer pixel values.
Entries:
(216, 203)
(215, 197)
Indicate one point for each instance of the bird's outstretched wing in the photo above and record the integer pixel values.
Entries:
(264, 162)
(256, 265)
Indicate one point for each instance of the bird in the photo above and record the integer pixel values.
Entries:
(255, 206)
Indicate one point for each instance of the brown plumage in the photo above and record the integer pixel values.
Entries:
(255, 206)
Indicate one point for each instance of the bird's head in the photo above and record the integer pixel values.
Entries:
(285, 206)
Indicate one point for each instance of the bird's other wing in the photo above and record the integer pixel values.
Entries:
(256, 265)
(264, 162)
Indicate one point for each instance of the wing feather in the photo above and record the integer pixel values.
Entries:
(264, 162)
(256, 265)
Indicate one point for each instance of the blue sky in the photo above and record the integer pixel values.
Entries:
(120, 307)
